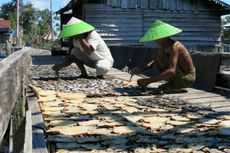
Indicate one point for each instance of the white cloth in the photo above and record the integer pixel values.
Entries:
(101, 57)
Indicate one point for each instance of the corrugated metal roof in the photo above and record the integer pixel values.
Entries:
(5, 24)
(75, 2)
(68, 6)
(223, 4)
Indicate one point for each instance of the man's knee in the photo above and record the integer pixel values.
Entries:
(102, 70)
(103, 67)
(71, 58)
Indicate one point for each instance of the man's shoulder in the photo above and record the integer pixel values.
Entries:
(178, 46)
(94, 33)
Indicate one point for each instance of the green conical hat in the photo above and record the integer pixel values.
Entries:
(75, 27)
(159, 30)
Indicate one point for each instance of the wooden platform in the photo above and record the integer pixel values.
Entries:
(219, 103)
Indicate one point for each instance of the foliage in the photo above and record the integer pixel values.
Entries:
(35, 23)
(226, 31)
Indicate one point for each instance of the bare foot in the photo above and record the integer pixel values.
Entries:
(56, 71)
(83, 76)
(100, 77)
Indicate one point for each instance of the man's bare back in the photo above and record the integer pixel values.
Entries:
(184, 58)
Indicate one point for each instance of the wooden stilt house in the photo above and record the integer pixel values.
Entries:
(123, 22)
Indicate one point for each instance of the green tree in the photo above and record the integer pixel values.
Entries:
(27, 18)
(43, 21)
(35, 23)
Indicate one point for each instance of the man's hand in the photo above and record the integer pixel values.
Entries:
(143, 82)
(85, 45)
(78, 37)
(135, 71)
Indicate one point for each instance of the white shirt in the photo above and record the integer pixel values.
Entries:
(101, 51)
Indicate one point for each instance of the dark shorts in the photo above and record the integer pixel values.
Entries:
(180, 80)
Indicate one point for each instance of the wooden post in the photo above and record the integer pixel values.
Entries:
(28, 133)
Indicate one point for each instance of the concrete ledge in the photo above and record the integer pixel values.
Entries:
(13, 71)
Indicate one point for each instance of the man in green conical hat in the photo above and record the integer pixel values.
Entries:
(89, 49)
(173, 60)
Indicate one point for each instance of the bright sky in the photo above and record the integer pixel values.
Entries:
(43, 4)
(57, 4)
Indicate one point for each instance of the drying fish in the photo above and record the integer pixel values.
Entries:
(155, 119)
(62, 123)
(100, 131)
(225, 123)
(110, 124)
(70, 131)
(133, 118)
(71, 96)
(124, 130)
(118, 123)
(50, 98)
(152, 126)
(89, 123)
(71, 110)
(88, 107)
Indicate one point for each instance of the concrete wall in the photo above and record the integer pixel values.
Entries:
(13, 71)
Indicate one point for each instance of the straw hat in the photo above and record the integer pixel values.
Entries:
(159, 30)
(75, 27)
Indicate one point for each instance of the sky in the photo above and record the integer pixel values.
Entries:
(56, 4)
(43, 4)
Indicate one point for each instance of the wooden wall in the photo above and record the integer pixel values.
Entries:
(123, 22)
(12, 76)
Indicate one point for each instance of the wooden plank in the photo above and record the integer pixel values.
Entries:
(11, 136)
(220, 105)
(39, 143)
(124, 4)
(132, 3)
(114, 3)
(208, 100)
(191, 96)
(224, 110)
(153, 4)
(33, 106)
(172, 5)
(179, 5)
(198, 94)
(144, 4)
(109, 2)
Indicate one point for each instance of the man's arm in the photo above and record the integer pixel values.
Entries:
(86, 46)
(149, 66)
(171, 71)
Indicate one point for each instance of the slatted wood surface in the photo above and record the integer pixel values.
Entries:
(38, 136)
(217, 102)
